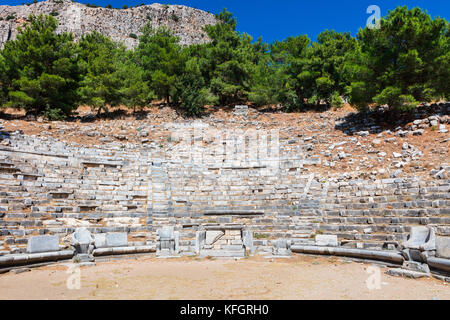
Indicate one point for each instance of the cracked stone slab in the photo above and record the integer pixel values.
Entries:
(213, 236)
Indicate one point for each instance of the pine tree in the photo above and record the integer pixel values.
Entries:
(229, 60)
(396, 64)
(161, 59)
(41, 68)
(99, 87)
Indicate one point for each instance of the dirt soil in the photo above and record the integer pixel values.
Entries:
(123, 126)
(145, 277)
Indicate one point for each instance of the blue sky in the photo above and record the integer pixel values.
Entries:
(276, 20)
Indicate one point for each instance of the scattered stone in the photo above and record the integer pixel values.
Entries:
(20, 270)
(402, 133)
(376, 142)
(442, 129)
(398, 272)
(241, 110)
(142, 133)
(416, 266)
(396, 173)
(363, 133)
(106, 139)
(441, 174)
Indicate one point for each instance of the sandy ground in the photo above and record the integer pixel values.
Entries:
(301, 277)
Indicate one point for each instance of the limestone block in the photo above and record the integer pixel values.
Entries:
(421, 238)
(44, 243)
(247, 237)
(222, 253)
(100, 240)
(443, 247)
(200, 237)
(233, 232)
(111, 239)
(397, 272)
(282, 247)
(212, 236)
(166, 232)
(326, 240)
(416, 266)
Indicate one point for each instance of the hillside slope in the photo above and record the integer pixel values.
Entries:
(186, 22)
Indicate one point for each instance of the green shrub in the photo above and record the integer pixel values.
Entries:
(393, 97)
(336, 100)
(53, 114)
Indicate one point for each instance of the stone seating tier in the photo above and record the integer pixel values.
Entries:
(52, 188)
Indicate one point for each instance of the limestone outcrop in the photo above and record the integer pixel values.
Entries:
(119, 24)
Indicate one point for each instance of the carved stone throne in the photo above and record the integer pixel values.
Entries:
(167, 241)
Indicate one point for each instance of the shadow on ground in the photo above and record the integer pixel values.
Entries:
(381, 119)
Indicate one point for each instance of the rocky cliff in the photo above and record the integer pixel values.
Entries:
(119, 24)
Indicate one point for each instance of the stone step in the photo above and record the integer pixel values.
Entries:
(222, 253)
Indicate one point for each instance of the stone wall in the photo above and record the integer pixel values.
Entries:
(49, 187)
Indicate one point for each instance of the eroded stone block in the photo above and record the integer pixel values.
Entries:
(213, 236)
(111, 239)
(443, 247)
(327, 240)
(46, 243)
